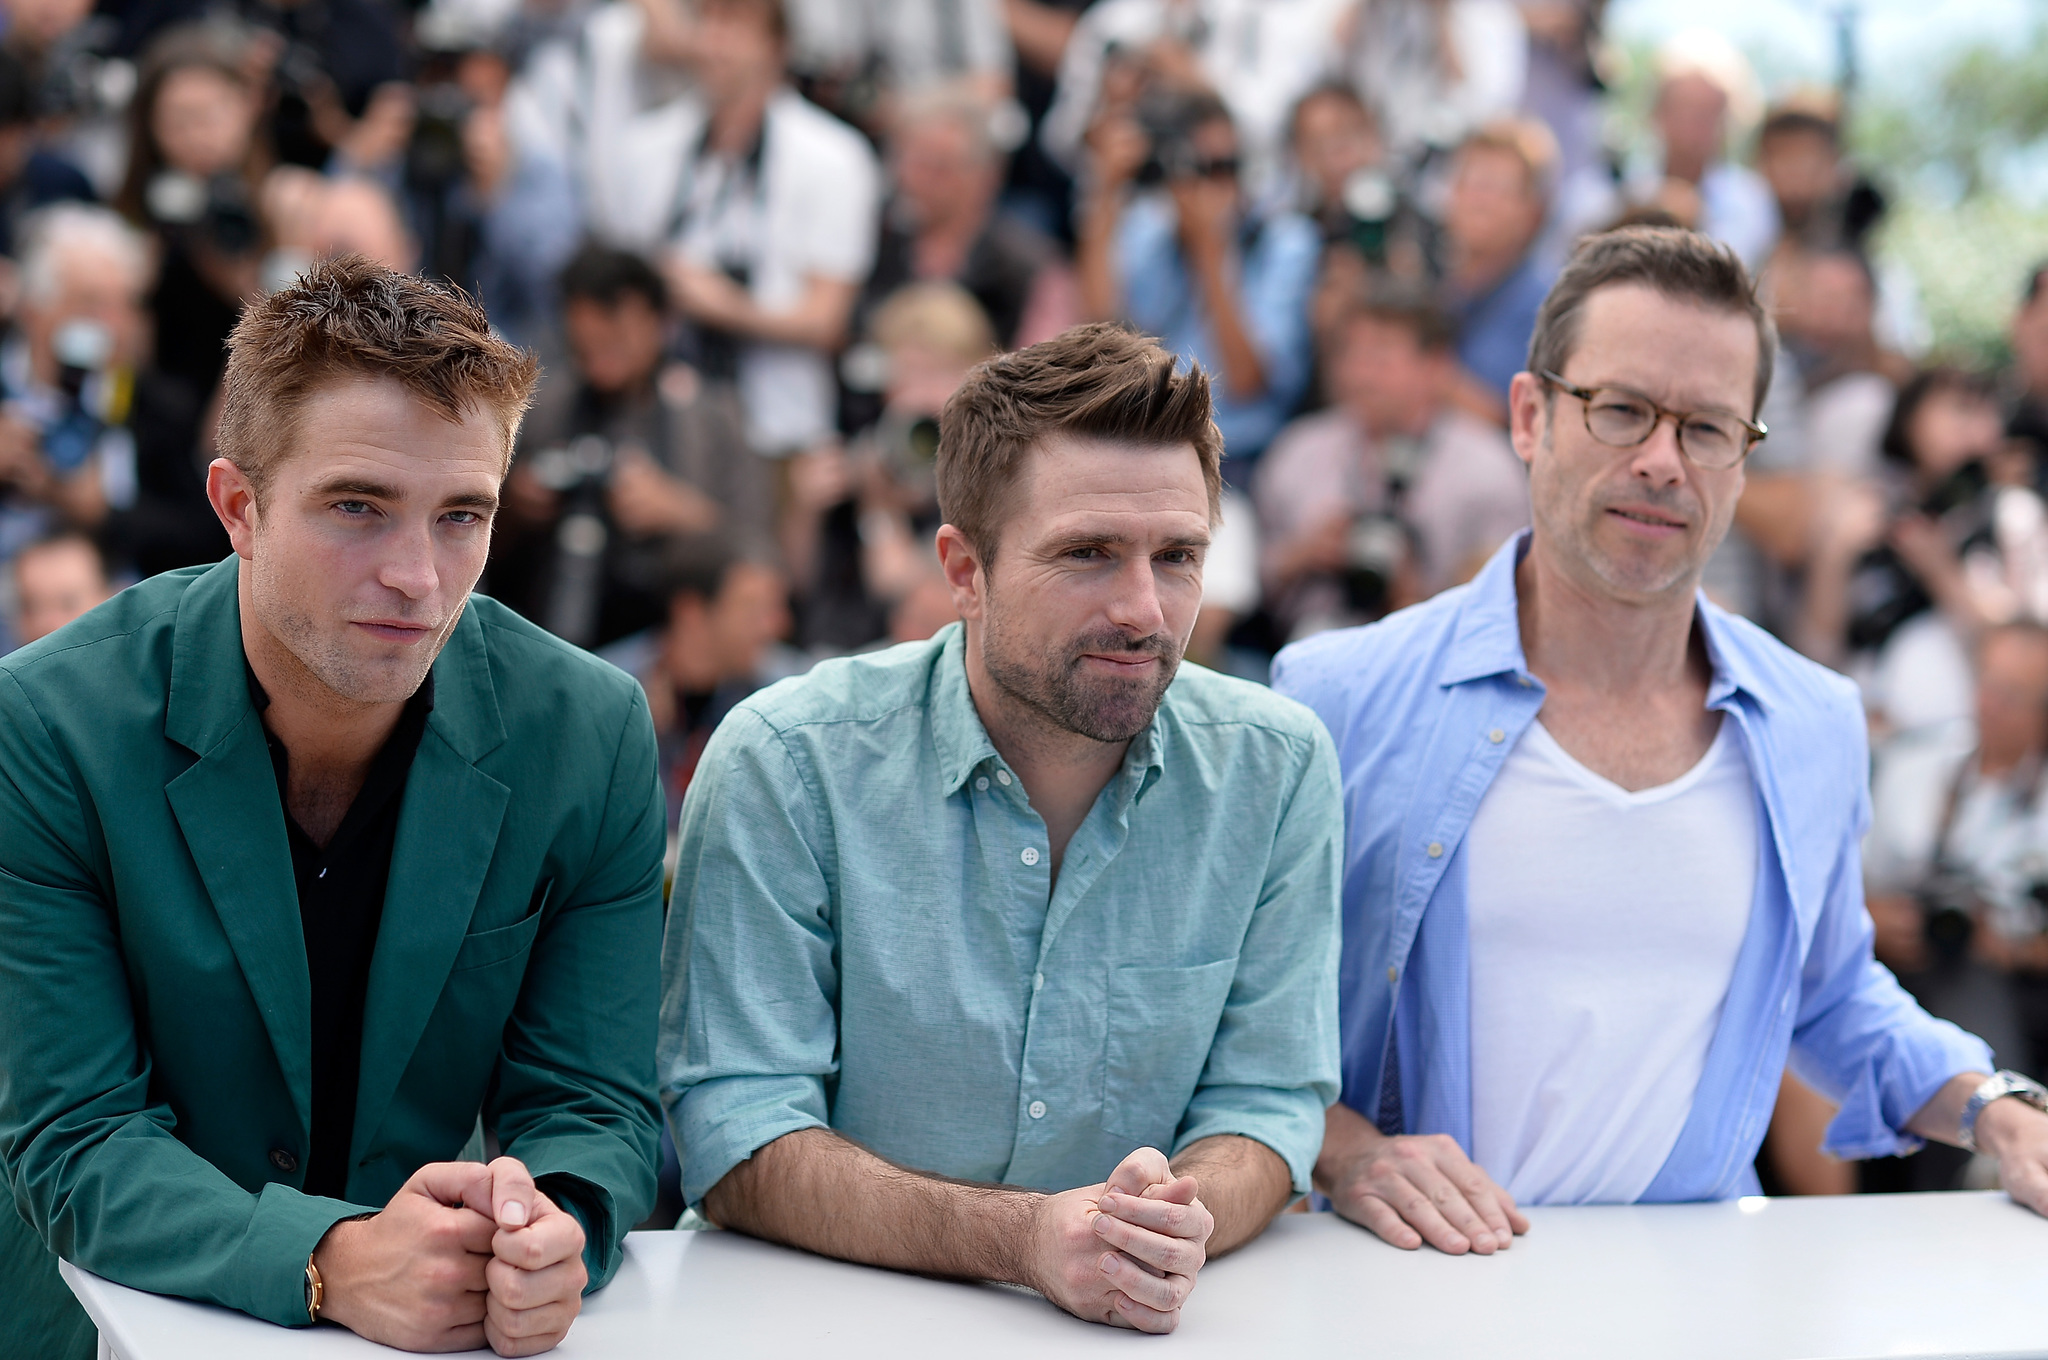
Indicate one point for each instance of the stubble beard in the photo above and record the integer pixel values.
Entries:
(326, 656)
(1051, 684)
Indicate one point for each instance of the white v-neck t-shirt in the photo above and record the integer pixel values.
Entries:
(1604, 927)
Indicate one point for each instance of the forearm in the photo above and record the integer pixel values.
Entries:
(1040, 33)
(1823, 625)
(1095, 255)
(1244, 374)
(817, 1190)
(1242, 1181)
(1940, 1120)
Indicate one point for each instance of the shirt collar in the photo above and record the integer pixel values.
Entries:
(1488, 641)
(963, 744)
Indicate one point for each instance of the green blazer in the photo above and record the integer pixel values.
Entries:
(155, 1056)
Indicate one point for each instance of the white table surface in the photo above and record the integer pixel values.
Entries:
(1957, 1275)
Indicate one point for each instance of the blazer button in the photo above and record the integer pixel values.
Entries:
(283, 1161)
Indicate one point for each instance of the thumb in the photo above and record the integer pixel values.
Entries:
(453, 1184)
(1146, 1166)
(512, 1193)
(1181, 1191)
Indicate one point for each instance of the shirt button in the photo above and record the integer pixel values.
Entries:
(1496, 736)
(1436, 849)
(1038, 1109)
(1030, 856)
(1037, 981)
(981, 783)
(1393, 973)
(1003, 778)
(283, 1161)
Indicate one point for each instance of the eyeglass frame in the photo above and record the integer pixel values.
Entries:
(1756, 430)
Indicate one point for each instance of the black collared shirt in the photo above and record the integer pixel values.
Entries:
(341, 903)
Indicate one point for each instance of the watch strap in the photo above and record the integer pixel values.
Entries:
(1997, 1087)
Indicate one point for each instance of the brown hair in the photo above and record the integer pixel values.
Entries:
(1528, 141)
(207, 45)
(1677, 263)
(1403, 305)
(1099, 381)
(351, 317)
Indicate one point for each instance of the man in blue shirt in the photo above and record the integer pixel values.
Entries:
(1603, 872)
(968, 931)
(1167, 240)
(1495, 275)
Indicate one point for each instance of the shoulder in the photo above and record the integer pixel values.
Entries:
(818, 141)
(537, 673)
(1345, 672)
(105, 645)
(869, 688)
(1796, 692)
(1201, 699)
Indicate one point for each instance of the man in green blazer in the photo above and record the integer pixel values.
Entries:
(315, 870)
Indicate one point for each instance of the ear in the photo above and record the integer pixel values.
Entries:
(1528, 416)
(962, 567)
(234, 500)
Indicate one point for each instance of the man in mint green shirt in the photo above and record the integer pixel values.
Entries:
(969, 936)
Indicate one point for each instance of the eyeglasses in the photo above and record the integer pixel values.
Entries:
(1622, 418)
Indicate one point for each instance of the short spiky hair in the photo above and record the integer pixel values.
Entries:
(350, 317)
(1099, 381)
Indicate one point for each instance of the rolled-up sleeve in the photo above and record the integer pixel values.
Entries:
(1859, 1038)
(1273, 1064)
(749, 982)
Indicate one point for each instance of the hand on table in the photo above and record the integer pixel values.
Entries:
(1124, 1252)
(1422, 1188)
(2017, 1135)
(464, 1255)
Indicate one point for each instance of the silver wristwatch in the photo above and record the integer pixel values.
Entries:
(1996, 1088)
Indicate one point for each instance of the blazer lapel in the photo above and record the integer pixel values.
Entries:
(448, 830)
(228, 809)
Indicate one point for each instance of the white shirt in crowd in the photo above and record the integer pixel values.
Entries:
(1604, 928)
(808, 208)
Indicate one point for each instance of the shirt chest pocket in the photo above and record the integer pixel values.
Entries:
(1160, 1025)
(482, 948)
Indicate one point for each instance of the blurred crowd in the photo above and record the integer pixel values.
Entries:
(757, 243)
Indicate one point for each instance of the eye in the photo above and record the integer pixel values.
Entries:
(464, 517)
(353, 508)
(1086, 554)
(1180, 557)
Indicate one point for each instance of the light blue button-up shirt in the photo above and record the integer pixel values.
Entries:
(1425, 706)
(866, 933)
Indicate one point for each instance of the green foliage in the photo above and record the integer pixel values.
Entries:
(1970, 259)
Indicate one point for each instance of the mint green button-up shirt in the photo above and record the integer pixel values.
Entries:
(866, 933)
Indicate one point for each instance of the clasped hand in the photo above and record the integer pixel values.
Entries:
(1421, 1188)
(464, 1255)
(1124, 1252)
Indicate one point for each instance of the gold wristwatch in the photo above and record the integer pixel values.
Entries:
(315, 1291)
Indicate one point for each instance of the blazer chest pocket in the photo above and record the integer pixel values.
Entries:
(1161, 1022)
(482, 948)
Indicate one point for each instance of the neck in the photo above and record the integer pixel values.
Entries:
(1575, 636)
(736, 123)
(1995, 762)
(1063, 771)
(1479, 269)
(329, 737)
(1686, 166)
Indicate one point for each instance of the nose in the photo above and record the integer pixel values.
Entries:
(1134, 603)
(1657, 459)
(408, 565)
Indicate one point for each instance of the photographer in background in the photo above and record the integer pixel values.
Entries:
(857, 534)
(90, 437)
(1393, 493)
(1495, 278)
(1169, 241)
(1956, 865)
(490, 213)
(1908, 569)
(195, 165)
(1354, 192)
(31, 175)
(620, 452)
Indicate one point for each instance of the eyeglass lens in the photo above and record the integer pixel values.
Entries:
(1625, 420)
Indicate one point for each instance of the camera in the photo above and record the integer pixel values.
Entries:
(434, 158)
(216, 212)
(1169, 119)
(577, 472)
(909, 450)
(1947, 904)
(1375, 552)
(1883, 592)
